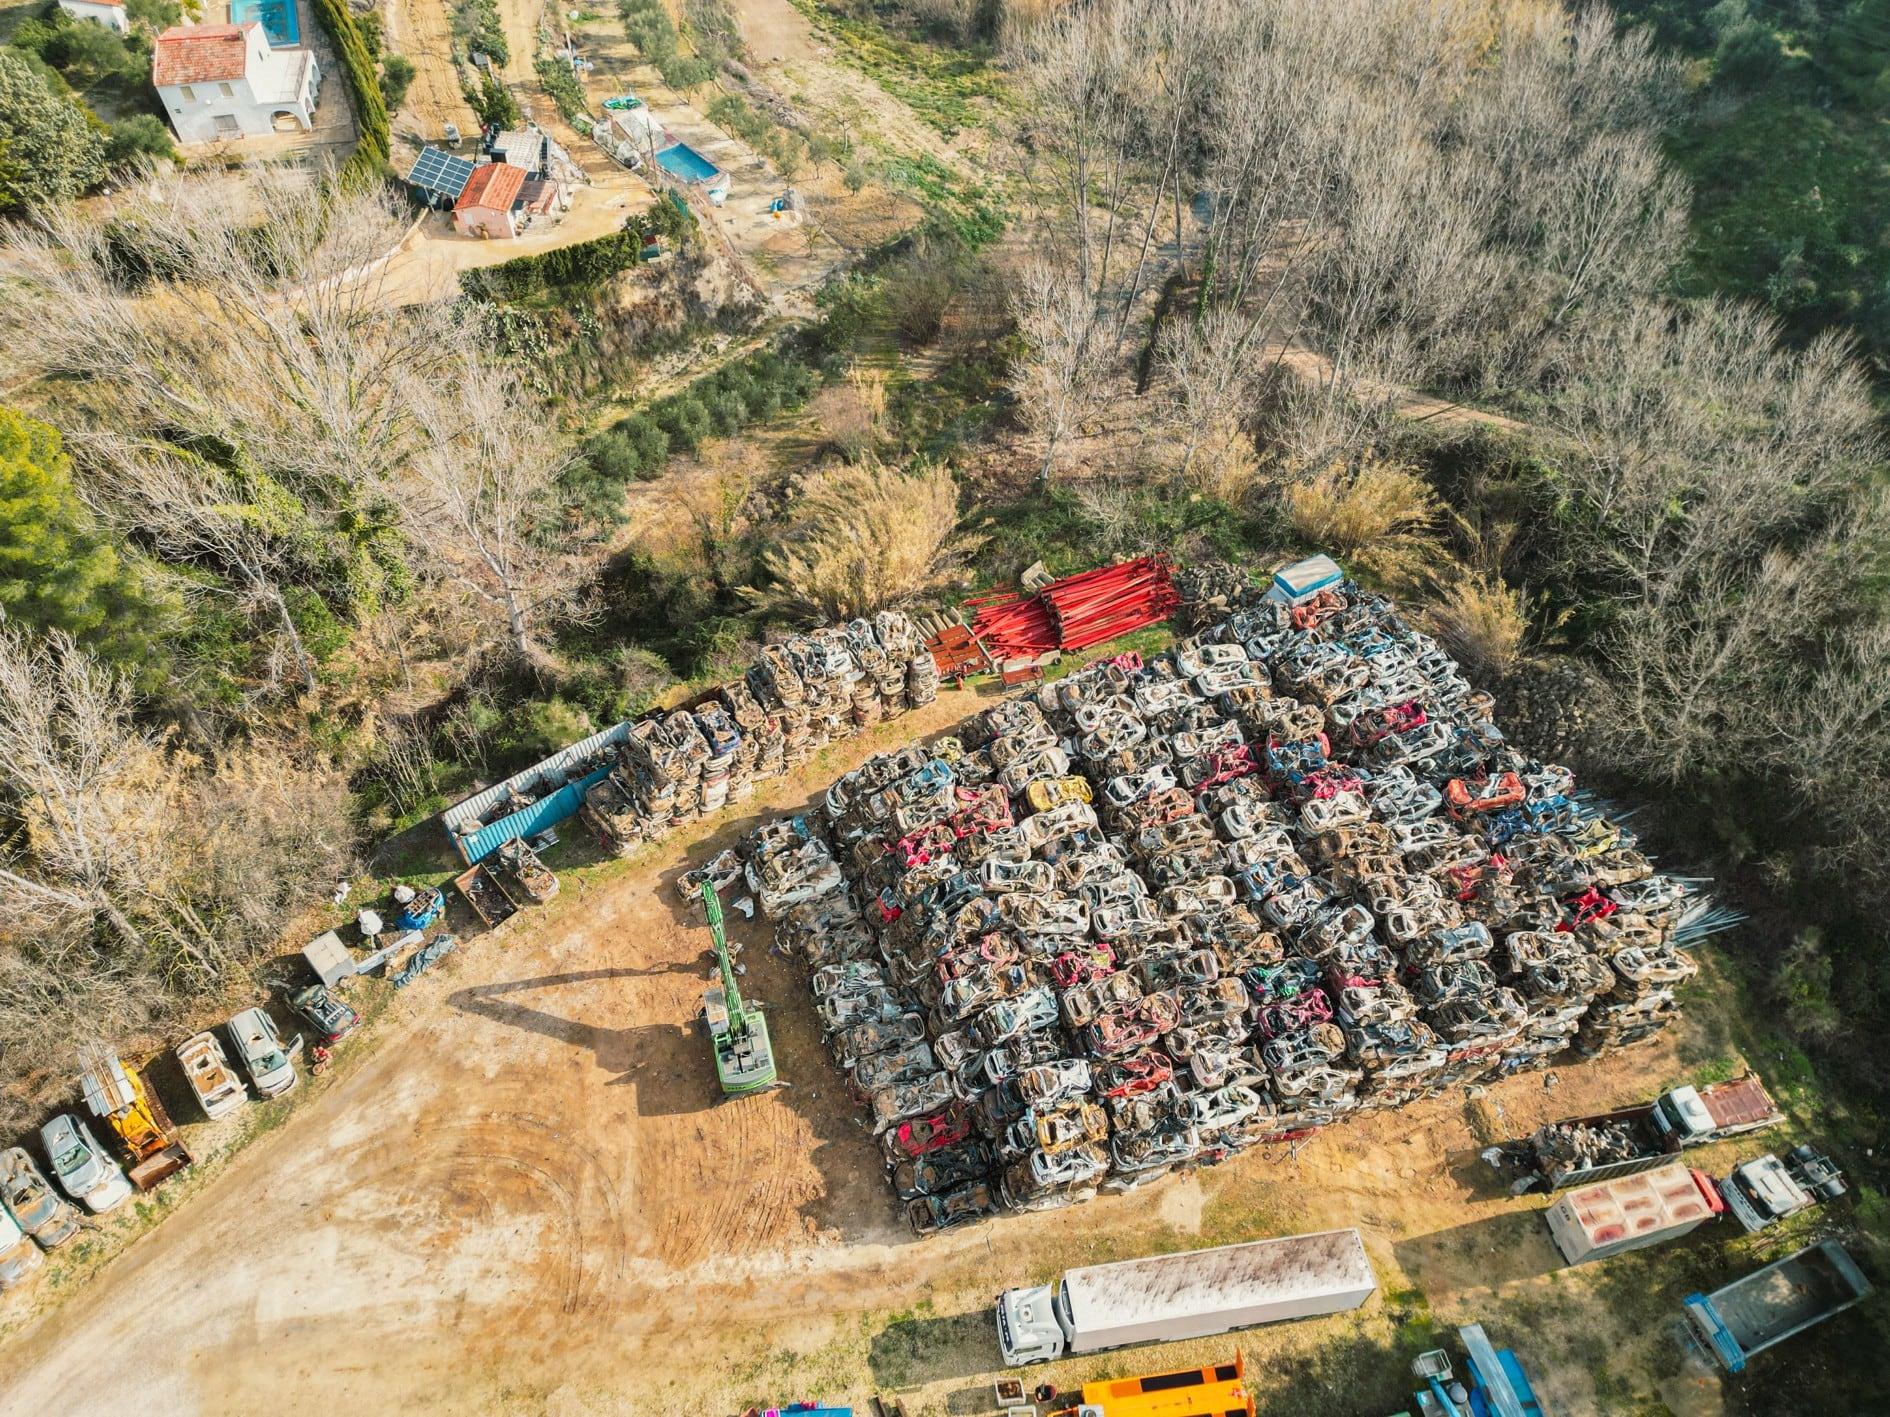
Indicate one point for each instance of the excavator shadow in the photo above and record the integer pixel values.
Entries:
(671, 1058)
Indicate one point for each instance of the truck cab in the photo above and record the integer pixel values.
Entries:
(1030, 1326)
(1683, 1113)
(1766, 1190)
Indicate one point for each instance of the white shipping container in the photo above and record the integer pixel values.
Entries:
(1204, 1292)
(1630, 1212)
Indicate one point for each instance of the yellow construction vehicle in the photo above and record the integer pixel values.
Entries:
(116, 1094)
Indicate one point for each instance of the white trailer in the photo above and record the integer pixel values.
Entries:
(1631, 1212)
(1167, 1298)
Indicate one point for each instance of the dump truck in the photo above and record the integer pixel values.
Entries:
(1580, 1151)
(1632, 1212)
(116, 1095)
(1195, 1294)
(1770, 1305)
(1219, 1390)
(219, 1090)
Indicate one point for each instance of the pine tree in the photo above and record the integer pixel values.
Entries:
(51, 148)
(57, 570)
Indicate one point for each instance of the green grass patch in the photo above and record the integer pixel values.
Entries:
(951, 90)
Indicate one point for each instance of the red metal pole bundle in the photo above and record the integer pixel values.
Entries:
(1079, 611)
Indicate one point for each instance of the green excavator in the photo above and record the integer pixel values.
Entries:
(744, 1057)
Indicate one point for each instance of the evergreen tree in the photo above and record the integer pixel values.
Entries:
(51, 148)
(57, 571)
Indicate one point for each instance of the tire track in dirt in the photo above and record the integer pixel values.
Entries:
(482, 1172)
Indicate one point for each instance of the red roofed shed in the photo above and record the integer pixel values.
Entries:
(485, 207)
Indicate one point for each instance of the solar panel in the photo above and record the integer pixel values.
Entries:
(440, 172)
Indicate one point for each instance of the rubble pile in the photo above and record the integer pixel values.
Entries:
(1157, 912)
(831, 683)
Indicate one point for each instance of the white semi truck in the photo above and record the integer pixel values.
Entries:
(1167, 1298)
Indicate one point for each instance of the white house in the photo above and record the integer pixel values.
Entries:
(108, 13)
(224, 81)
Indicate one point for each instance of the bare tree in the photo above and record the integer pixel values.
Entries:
(253, 310)
(1209, 366)
(194, 513)
(81, 779)
(481, 495)
(1057, 379)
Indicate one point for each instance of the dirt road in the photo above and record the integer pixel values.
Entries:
(528, 1200)
(422, 31)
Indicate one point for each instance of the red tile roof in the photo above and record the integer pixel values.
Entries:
(494, 187)
(200, 54)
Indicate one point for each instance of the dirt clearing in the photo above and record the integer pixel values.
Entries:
(529, 1199)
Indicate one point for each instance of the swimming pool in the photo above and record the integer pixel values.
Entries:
(685, 162)
(278, 19)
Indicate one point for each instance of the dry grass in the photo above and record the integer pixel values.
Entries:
(1378, 515)
(866, 538)
(1483, 623)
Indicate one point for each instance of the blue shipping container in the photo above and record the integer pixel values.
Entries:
(557, 795)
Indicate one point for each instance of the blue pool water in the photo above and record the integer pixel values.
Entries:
(278, 19)
(686, 163)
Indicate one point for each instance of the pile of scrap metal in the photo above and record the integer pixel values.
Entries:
(828, 684)
(1154, 913)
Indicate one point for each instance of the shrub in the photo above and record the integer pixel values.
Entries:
(397, 73)
(538, 729)
(493, 102)
(580, 267)
(1375, 514)
(1483, 623)
(916, 300)
(557, 79)
(614, 457)
(138, 136)
(650, 442)
(728, 413)
(687, 422)
(866, 538)
(369, 159)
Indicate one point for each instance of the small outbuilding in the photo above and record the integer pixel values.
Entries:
(109, 13)
(486, 206)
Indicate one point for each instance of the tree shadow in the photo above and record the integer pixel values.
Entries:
(917, 1349)
(1491, 1252)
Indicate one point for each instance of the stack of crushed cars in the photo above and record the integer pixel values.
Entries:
(831, 683)
(1155, 913)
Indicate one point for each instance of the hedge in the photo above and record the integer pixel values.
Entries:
(369, 161)
(586, 264)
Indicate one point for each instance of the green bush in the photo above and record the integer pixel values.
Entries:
(651, 443)
(159, 14)
(687, 422)
(557, 79)
(647, 25)
(580, 267)
(728, 413)
(397, 73)
(493, 102)
(537, 729)
(140, 135)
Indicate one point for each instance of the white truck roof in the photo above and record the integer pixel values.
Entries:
(1257, 1274)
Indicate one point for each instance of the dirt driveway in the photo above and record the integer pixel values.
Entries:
(527, 1199)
